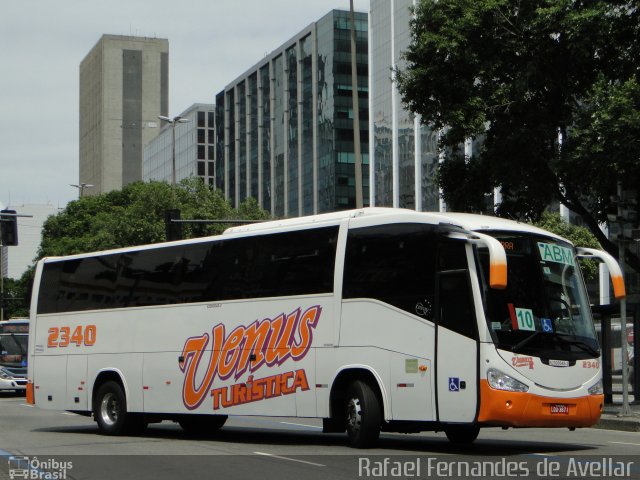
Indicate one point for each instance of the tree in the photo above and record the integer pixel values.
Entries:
(135, 216)
(553, 87)
(17, 294)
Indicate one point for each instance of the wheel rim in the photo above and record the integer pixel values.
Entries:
(354, 415)
(109, 409)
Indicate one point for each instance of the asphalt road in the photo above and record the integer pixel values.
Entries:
(261, 447)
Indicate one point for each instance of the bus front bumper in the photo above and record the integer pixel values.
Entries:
(518, 409)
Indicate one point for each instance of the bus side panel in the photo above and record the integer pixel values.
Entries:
(50, 386)
(410, 343)
(77, 398)
(253, 357)
(305, 396)
(128, 366)
(162, 383)
(331, 362)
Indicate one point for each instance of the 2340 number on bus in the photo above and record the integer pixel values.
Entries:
(63, 336)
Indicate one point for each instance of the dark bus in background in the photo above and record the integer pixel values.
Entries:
(14, 338)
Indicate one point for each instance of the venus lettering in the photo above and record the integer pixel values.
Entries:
(271, 341)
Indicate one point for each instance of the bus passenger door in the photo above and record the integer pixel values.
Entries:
(456, 347)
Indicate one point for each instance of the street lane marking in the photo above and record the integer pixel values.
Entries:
(625, 443)
(290, 459)
(300, 425)
(26, 405)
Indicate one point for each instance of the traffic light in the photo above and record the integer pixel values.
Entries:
(173, 229)
(8, 228)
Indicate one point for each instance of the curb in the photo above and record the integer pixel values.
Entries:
(612, 422)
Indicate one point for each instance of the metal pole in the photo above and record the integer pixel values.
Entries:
(623, 314)
(356, 113)
(173, 153)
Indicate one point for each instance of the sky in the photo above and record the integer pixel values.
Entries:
(42, 42)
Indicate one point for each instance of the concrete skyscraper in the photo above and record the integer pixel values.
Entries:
(124, 86)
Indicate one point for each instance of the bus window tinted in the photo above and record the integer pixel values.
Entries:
(395, 264)
(281, 264)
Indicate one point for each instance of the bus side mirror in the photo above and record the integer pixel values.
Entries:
(614, 268)
(497, 256)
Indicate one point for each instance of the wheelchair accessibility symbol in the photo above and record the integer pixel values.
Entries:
(454, 384)
(547, 326)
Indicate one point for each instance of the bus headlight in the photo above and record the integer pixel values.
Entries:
(596, 389)
(502, 381)
(5, 374)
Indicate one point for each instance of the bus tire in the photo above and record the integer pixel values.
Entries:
(202, 424)
(110, 410)
(462, 434)
(363, 415)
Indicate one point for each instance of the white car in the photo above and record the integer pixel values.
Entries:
(10, 380)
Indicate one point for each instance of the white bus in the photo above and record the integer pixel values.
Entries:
(372, 320)
(14, 336)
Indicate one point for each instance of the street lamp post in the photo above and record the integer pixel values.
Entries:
(81, 188)
(173, 121)
(356, 113)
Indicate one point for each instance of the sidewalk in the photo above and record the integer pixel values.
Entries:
(612, 419)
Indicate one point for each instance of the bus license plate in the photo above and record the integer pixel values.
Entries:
(559, 409)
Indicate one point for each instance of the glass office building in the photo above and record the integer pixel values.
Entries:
(284, 129)
(403, 152)
(194, 147)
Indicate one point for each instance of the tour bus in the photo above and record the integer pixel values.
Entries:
(14, 335)
(372, 320)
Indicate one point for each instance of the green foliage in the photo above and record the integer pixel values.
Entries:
(17, 294)
(579, 236)
(135, 216)
(552, 86)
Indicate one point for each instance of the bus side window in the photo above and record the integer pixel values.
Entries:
(456, 311)
(394, 264)
(455, 302)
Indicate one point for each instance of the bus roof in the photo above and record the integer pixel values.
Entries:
(15, 320)
(467, 221)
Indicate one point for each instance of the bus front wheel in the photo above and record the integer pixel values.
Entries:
(363, 415)
(110, 411)
(462, 434)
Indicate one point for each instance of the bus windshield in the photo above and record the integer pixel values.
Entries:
(14, 339)
(544, 311)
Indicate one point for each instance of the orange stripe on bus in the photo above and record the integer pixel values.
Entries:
(498, 275)
(618, 286)
(519, 409)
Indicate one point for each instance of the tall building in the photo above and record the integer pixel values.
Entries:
(284, 129)
(124, 86)
(403, 153)
(194, 147)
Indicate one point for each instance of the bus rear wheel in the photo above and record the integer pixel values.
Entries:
(202, 424)
(462, 434)
(363, 415)
(110, 411)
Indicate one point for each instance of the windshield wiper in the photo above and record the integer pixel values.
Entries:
(585, 347)
(15, 339)
(524, 342)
